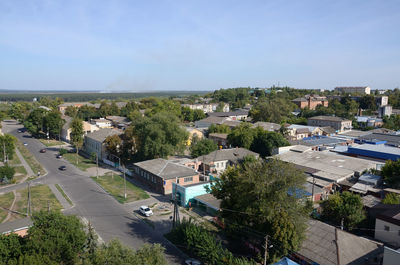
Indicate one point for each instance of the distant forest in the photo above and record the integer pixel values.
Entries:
(92, 96)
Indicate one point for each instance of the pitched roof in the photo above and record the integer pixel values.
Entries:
(268, 126)
(166, 169)
(327, 118)
(227, 114)
(212, 119)
(326, 244)
(102, 134)
(210, 200)
(232, 154)
(391, 215)
(285, 261)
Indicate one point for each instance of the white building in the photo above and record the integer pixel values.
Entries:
(387, 226)
(101, 123)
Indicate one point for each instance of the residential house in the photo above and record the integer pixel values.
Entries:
(193, 132)
(66, 129)
(216, 162)
(387, 226)
(118, 121)
(206, 122)
(221, 139)
(19, 227)
(159, 174)
(354, 89)
(268, 126)
(298, 132)
(102, 123)
(185, 194)
(339, 124)
(386, 110)
(311, 101)
(94, 142)
(328, 245)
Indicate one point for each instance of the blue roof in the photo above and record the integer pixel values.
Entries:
(379, 151)
(286, 261)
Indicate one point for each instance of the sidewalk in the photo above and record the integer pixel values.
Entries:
(65, 204)
(24, 163)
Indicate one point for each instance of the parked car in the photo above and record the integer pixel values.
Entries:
(59, 156)
(146, 211)
(43, 150)
(192, 262)
(20, 131)
(25, 144)
(63, 168)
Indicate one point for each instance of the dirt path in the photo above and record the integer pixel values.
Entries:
(11, 207)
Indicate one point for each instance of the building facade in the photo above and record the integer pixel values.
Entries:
(354, 89)
(339, 124)
(311, 101)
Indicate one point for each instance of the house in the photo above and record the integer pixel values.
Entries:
(66, 130)
(311, 101)
(159, 174)
(19, 227)
(221, 139)
(268, 126)
(236, 115)
(386, 110)
(328, 245)
(387, 226)
(193, 132)
(298, 132)
(217, 161)
(185, 194)
(206, 122)
(390, 256)
(118, 121)
(339, 124)
(101, 123)
(94, 142)
(354, 89)
(365, 121)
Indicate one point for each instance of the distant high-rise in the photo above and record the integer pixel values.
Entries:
(354, 89)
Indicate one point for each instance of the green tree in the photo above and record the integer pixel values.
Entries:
(6, 174)
(241, 136)
(34, 123)
(113, 143)
(87, 112)
(7, 147)
(198, 115)
(53, 124)
(265, 142)
(77, 135)
(20, 110)
(187, 114)
(114, 110)
(391, 198)
(219, 128)
(346, 207)
(391, 173)
(71, 111)
(272, 110)
(220, 107)
(368, 102)
(265, 204)
(202, 147)
(128, 108)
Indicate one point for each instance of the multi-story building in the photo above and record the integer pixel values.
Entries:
(311, 101)
(94, 142)
(339, 124)
(354, 89)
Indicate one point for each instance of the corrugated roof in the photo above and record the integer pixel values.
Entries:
(166, 169)
(232, 154)
(102, 134)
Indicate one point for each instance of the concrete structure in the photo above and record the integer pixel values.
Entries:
(354, 89)
(193, 132)
(387, 226)
(208, 203)
(118, 121)
(379, 152)
(382, 101)
(328, 245)
(159, 174)
(368, 184)
(386, 110)
(374, 137)
(221, 139)
(207, 107)
(186, 194)
(365, 121)
(311, 101)
(321, 142)
(390, 256)
(217, 161)
(268, 126)
(94, 142)
(102, 123)
(339, 124)
(66, 130)
(19, 227)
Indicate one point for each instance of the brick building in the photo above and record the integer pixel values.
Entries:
(310, 101)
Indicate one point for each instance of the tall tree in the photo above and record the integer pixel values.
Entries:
(202, 147)
(77, 135)
(265, 204)
(265, 142)
(53, 124)
(219, 128)
(7, 147)
(113, 144)
(34, 123)
(391, 173)
(241, 136)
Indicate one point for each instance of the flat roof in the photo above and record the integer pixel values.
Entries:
(378, 148)
(209, 200)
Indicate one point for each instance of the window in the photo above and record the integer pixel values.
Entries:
(387, 228)
(188, 179)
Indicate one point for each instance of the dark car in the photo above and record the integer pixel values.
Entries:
(63, 168)
(59, 156)
(42, 150)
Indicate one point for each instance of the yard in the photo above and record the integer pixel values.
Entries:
(83, 162)
(115, 186)
(51, 143)
(30, 159)
(6, 202)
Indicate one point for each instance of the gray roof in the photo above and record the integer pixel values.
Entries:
(370, 201)
(102, 134)
(232, 154)
(227, 114)
(268, 126)
(15, 225)
(117, 119)
(219, 135)
(67, 123)
(392, 139)
(327, 118)
(212, 119)
(324, 244)
(166, 169)
(209, 200)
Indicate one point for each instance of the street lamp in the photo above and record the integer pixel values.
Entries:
(123, 170)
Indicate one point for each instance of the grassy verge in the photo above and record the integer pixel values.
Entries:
(14, 161)
(63, 194)
(41, 197)
(5, 201)
(51, 143)
(30, 159)
(20, 174)
(115, 186)
(83, 163)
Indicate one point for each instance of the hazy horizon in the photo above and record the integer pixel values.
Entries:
(129, 46)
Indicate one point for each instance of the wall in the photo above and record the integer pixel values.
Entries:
(390, 256)
(391, 237)
(188, 193)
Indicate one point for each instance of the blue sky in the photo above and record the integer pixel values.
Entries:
(198, 45)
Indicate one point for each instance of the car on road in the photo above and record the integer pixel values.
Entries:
(20, 131)
(43, 150)
(192, 262)
(59, 156)
(146, 211)
(25, 144)
(63, 168)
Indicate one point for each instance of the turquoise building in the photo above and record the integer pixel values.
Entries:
(187, 193)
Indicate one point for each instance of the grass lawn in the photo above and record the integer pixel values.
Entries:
(5, 201)
(115, 186)
(20, 173)
(30, 159)
(63, 194)
(51, 143)
(83, 162)
(14, 161)
(41, 195)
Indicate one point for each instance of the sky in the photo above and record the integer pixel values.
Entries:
(142, 46)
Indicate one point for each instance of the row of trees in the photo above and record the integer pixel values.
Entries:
(7, 152)
(41, 122)
(58, 239)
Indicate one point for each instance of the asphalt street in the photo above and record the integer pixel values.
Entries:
(109, 218)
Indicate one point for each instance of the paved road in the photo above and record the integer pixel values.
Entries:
(109, 218)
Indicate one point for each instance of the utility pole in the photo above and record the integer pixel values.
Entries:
(4, 151)
(313, 183)
(28, 210)
(123, 169)
(48, 140)
(97, 165)
(176, 218)
(266, 250)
